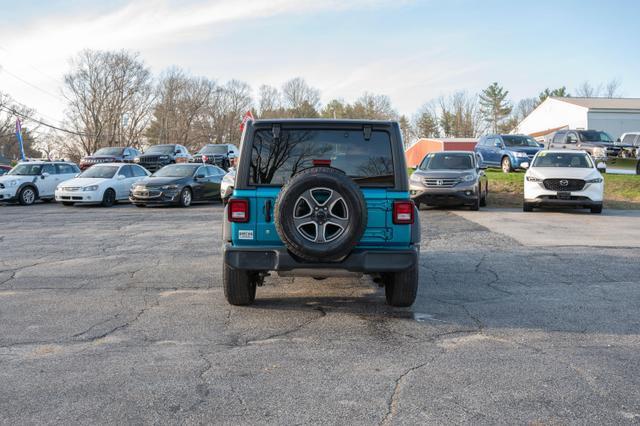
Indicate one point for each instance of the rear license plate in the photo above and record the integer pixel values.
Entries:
(564, 195)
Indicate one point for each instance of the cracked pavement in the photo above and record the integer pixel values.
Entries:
(118, 316)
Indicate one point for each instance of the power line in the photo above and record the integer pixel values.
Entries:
(42, 123)
(32, 66)
(46, 92)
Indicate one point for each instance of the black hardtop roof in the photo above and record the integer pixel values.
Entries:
(323, 121)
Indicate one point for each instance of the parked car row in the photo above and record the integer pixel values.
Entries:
(107, 183)
(509, 152)
(158, 156)
(553, 178)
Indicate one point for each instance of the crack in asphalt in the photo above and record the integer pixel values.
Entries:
(394, 400)
(238, 342)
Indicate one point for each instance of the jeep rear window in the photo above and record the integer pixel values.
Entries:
(275, 160)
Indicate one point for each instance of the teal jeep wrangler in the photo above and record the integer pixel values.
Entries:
(321, 198)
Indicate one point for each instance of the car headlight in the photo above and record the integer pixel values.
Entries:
(533, 179)
(521, 154)
(169, 187)
(136, 160)
(468, 178)
(90, 188)
(594, 180)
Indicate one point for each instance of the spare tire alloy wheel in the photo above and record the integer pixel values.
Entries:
(320, 215)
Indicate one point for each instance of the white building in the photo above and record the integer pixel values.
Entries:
(614, 116)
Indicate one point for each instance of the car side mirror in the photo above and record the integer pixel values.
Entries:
(121, 177)
(176, 153)
(44, 175)
(497, 144)
(199, 176)
(524, 165)
(77, 175)
(601, 166)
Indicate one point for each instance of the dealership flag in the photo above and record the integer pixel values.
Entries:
(19, 136)
(247, 117)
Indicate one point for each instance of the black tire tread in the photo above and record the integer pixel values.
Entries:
(239, 286)
(401, 288)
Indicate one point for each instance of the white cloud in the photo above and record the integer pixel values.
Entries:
(39, 51)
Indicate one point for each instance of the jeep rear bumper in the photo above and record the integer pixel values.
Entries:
(359, 260)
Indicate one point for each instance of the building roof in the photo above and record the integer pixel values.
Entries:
(603, 103)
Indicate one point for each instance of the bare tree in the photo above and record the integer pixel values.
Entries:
(300, 98)
(587, 90)
(269, 102)
(228, 104)
(460, 116)
(612, 89)
(373, 107)
(10, 111)
(109, 96)
(179, 115)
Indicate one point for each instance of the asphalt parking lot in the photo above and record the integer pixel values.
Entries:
(117, 316)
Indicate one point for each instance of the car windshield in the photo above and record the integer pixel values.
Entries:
(213, 149)
(100, 172)
(444, 161)
(367, 160)
(26, 170)
(176, 170)
(519, 141)
(563, 159)
(595, 136)
(108, 151)
(161, 150)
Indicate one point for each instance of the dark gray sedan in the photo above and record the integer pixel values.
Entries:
(449, 178)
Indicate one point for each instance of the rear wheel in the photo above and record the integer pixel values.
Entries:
(526, 207)
(506, 165)
(27, 196)
(596, 209)
(401, 288)
(108, 198)
(239, 286)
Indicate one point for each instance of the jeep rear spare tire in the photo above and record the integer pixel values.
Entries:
(321, 214)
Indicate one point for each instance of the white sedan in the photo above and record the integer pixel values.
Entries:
(103, 184)
(563, 178)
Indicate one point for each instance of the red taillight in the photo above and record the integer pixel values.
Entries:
(321, 163)
(403, 212)
(238, 210)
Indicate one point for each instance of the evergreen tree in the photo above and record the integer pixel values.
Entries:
(494, 106)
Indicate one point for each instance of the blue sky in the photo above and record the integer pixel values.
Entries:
(412, 51)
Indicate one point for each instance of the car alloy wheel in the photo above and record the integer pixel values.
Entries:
(27, 196)
(506, 165)
(320, 215)
(185, 198)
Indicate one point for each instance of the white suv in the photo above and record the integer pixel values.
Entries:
(563, 178)
(29, 181)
